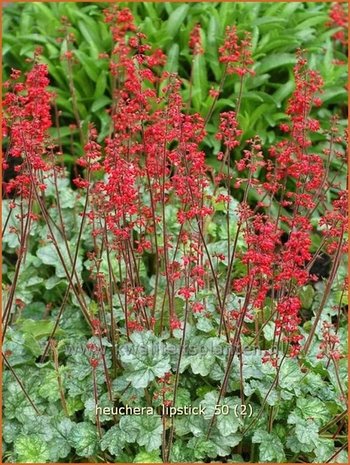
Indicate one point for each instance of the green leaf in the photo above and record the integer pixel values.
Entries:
(74, 405)
(211, 52)
(148, 457)
(101, 85)
(269, 20)
(202, 447)
(49, 256)
(306, 432)
(146, 430)
(175, 20)
(173, 59)
(16, 405)
(90, 408)
(269, 331)
(270, 448)
(334, 94)
(59, 446)
(37, 329)
(324, 450)
(31, 449)
(263, 387)
(84, 439)
(313, 21)
(151, 12)
(45, 12)
(150, 434)
(227, 424)
(36, 38)
(11, 430)
(275, 60)
(290, 375)
(180, 452)
(144, 359)
(49, 387)
(307, 294)
(90, 38)
(311, 407)
(257, 114)
(64, 131)
(224, 444)
(27, 50)
(183, 397)
(130, 426)
(296, 446)
(202, 364)
(105, 124)
(88, 64)
(200, 81)
(203, 323)
(100, 103)
(114, 440)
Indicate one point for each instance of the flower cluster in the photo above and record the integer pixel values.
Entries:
(26, 121)
(195, 42)
(338, 18)
(236, 53)
(329, 347)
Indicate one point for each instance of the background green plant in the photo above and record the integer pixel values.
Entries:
(301, 405)
(277, 29)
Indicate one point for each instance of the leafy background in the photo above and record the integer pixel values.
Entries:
(278, 30)
(303, 405)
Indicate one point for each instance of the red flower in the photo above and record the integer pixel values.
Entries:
(339, 19)
(236, 53)
(195, 42)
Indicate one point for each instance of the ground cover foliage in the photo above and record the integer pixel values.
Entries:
(174, 232)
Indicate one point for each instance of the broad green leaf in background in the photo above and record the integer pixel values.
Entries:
(176, 19)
